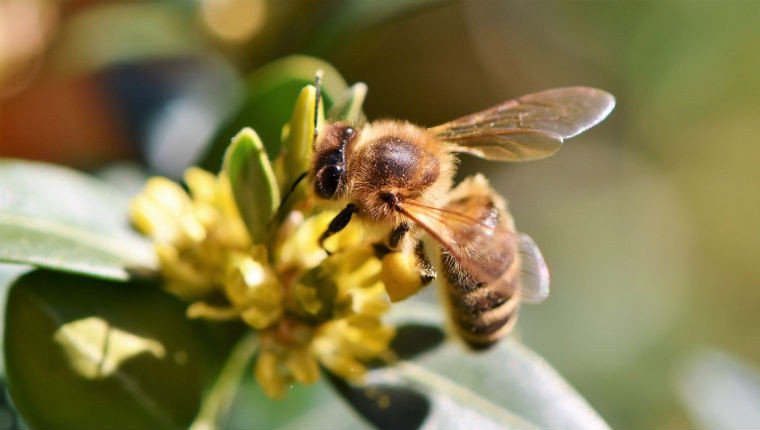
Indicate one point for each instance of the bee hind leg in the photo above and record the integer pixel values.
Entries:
(425, 269)
(337, 224)
(405, 273)
(427, 272)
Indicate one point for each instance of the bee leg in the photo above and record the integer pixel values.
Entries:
(381, 250)
(397, 234)
(405, 273)
(427, 272)
(425, 269)
(337, 224)
(279, 215)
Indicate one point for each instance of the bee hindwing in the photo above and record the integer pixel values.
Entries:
(534, 275)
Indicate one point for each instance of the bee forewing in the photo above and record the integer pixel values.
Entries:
(529, 127)
(509, 145)
(534, 275)
(484, 251)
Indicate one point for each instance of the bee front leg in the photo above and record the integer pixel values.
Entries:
(394, 239)
(338, 223)
(397, 234)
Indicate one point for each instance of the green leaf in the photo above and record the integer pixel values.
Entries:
(272, 89)
(720, 391)
(218, 399)
(8, 274)
(507, 386)
(86, 353)
(349, 106)
(253, 182)
(534, 389)
(314, 406)
(61, 219)
(389, 401)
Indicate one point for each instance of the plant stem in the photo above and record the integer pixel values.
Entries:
(218, 400)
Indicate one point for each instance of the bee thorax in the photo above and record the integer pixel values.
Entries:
(400, 163)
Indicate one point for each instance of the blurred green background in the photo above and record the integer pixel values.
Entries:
(649, 222)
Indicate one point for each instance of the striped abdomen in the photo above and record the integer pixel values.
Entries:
(481, 312)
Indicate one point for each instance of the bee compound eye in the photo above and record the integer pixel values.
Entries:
(328, 180)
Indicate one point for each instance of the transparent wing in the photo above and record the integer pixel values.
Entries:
(534, 275)
(484, 250)
(527, 128)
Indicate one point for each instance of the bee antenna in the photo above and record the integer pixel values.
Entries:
(292, 188)
(318, 86)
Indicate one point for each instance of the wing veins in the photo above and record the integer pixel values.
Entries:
(473, 259)
(536, 120)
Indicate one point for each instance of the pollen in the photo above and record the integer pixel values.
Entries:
(401, 275)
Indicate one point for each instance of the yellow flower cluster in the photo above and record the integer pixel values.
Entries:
(194, 234)
(309, 307)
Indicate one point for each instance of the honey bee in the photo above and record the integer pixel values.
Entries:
(398, 176)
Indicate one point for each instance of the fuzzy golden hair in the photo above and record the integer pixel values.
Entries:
(427, 183)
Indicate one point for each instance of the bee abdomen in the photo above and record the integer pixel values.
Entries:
(481, 314)
(483, 334)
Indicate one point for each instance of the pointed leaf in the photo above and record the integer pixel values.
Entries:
(61, 219)
(253, 182)
(86, 353)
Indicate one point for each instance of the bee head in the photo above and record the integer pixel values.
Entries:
(329, 166)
